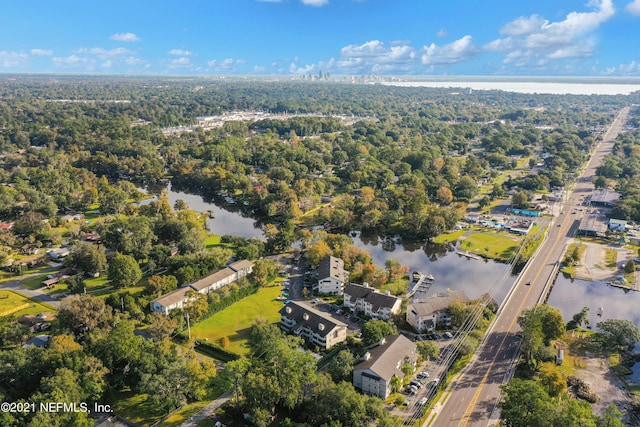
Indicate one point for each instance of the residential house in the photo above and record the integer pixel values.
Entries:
(214, 281)
(367, 300)
(171, 301)
(72, 217)
(242, 268)
(59, 253)
(472, 217)
(210, 283)
(331, 276)
(6, 226)
(373, 375)
(425, 315)
(316, 327)
(38, 341)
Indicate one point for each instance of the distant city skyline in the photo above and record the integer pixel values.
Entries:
(339, 37)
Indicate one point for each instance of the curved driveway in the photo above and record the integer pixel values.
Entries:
(476, 391)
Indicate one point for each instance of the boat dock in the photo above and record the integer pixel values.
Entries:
(422, 283)
(468, 254)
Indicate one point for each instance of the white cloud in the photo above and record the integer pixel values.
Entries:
(534, 40)
(441, 33)
(375, 56)
(316, 3)
(104, 53)
(633, 7)
(125, 37)
(41, 52)
(225, 65)
(630, 69)
(74, 61)
(9, 59)
(451, 53)
(182, 62)
(180, 52)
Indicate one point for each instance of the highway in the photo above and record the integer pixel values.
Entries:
(476, 391)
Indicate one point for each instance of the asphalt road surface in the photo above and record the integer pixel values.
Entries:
(475, 393)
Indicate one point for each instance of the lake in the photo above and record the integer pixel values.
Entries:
(225, 221)
(568, 86)
(450, 270)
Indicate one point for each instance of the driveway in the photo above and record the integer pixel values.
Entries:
(36, 294)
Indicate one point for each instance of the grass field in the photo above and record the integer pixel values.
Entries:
(494, 244)
(235, 321)
(449, 237)
(136, 408)
(10, 301)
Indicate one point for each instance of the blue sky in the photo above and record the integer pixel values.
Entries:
(342, 37)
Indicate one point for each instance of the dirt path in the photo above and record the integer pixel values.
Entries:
(593, 262)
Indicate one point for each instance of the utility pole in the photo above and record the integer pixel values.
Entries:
(188, 326)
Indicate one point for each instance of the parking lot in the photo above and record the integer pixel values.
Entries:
(336, 312)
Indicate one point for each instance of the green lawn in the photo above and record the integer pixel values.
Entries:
(136, 408)
(493, 244)
(449, 237)
(10, 301)
(235, 321)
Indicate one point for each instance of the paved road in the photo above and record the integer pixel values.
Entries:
(206, 412)
(36, 294)
(475, 393)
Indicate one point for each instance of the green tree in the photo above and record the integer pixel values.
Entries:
(124, 271)
(525, 404)
(374, 330)
(76, 284)
(263, 270)
(630, 267)
(611, 417)
(341, 365)
(84, 313)
(520, 200)
(619, 334)
(88, 257)
(429, 350)
(196, 305)
(160, 285)
(161, 327)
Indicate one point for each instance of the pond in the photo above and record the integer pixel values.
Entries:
(571, 295)
(228, 220)
(451, 271)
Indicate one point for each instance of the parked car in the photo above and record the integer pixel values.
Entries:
(448, 335)
(422, 375)
(421, 402)
(415, 383)
(433, 383)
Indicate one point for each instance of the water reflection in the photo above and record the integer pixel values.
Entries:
(451, 271)
(228, 220)
(571, 295)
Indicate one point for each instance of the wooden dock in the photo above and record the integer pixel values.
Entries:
(468, 254)
(423, 284)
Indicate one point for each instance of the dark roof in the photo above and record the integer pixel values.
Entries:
(331, 267)
(38, 341)
(209, 280)
(297, 310)
(370, 295)
(383, 359)
(436, 303)
(605, 197)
